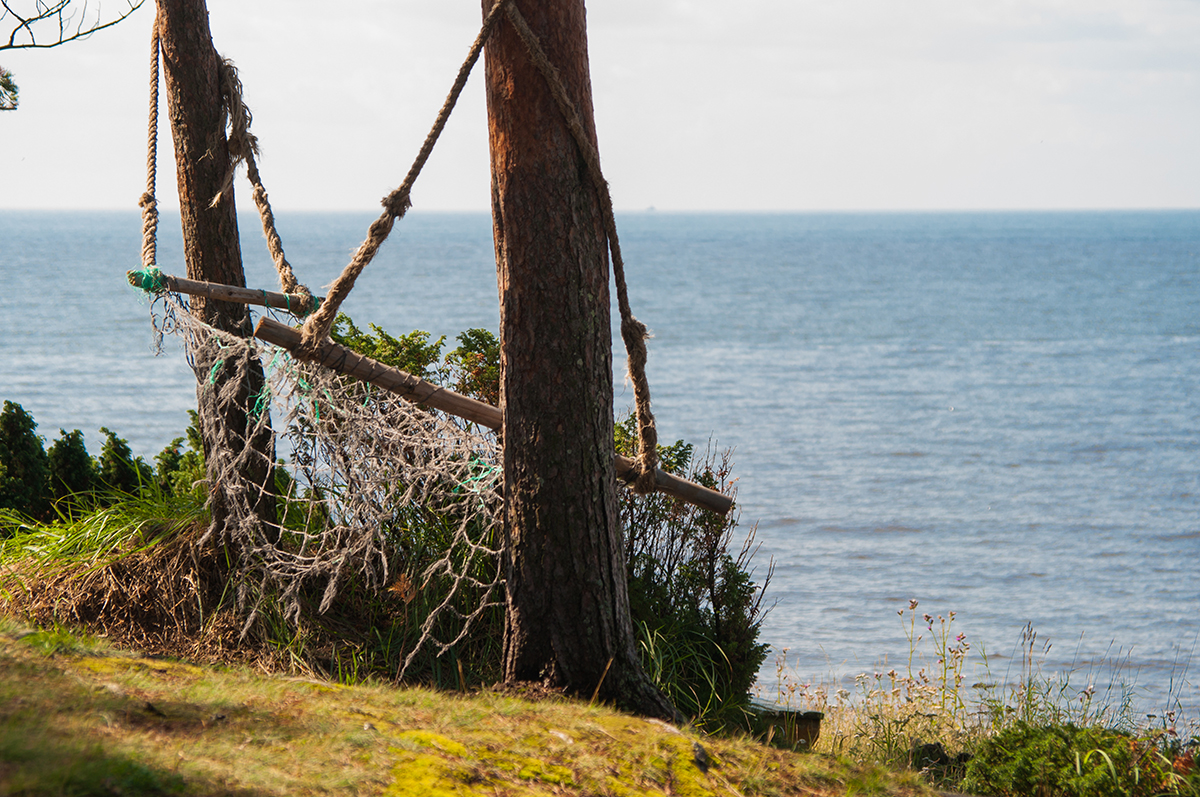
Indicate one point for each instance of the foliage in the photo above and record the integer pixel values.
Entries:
(473, 367)
(412, 352)
(9, 93)
(918, 716)
(1072, 761)
(132, 524)
(181, 471)
(65, 481)
(697, 607)
(476, 363)
(694, 603)
(72, 472)
(24, 469)
(118, 470)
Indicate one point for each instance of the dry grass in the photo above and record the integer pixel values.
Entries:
(163, 596)
(79, 720)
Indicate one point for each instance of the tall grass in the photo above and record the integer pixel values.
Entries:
(924, 715)
(78, 535)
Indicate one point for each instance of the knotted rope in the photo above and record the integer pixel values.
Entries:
(148, 203)
(633, 332)
(243, 146)
(395, 204)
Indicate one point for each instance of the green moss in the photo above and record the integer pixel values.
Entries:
(427, 739)
(533, 769)
(425, 775)
(686, 778)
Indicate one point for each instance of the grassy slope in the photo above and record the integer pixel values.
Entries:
(81, 720)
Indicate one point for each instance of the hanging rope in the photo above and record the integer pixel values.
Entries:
(633, 332)
(148, 203)
(243, 146)
(395, 204)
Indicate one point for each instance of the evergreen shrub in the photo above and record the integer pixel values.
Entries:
(24, 468)
(1071, 761)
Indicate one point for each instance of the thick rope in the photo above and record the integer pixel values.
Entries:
(243, 146)
(633, 332)
(148, 203)
(395, 204)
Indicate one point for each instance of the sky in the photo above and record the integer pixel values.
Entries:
(754, 105)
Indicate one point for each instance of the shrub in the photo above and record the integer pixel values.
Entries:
(476, 362)
(72, 472)
(697, 608)
(1071, 761)
(412, 352)
(180, 472)
(24, 468)
(118, 470)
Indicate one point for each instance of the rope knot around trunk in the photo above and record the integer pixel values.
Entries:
(635, 334)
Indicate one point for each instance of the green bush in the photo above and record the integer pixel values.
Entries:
(697, 608)
(412, 352)
(24, 467)
(72, 472)
(38, 484)
(118, 470)
(180, 471)
(1070, 761)
(476, 366)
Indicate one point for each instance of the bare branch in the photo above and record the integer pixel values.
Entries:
(63, 20)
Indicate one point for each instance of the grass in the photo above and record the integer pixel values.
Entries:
(134, 524)
(80, 718)
(922, 717)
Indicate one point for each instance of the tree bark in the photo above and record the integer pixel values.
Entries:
(567, 597)
(211, 248)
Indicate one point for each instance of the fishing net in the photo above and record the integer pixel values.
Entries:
(367, 487)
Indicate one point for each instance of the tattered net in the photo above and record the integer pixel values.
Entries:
(369, 487)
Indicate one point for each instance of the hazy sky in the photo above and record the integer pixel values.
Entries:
(700, 104)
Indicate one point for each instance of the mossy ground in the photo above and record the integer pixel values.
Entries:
(77, 719)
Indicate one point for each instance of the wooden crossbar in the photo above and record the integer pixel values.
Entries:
(293, 303)
(341, 359)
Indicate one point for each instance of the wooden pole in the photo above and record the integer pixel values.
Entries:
(294, 303)
(415, 389)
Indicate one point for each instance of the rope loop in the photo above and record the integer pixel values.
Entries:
(243, 147)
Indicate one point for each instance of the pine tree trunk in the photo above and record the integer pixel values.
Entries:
(567, 600)
(211, 245)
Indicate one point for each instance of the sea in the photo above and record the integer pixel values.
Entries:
(995, 414)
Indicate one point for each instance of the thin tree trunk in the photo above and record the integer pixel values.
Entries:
(567, 600)
(211, 246)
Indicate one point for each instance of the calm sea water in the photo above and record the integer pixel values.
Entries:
(997, 414)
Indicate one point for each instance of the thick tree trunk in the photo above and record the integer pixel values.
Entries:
(567, 601)
(211, 246)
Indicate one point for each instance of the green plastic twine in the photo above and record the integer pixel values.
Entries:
(216, 369)
(261, 399)
(475, 483)
(316, 303)
(151, 280)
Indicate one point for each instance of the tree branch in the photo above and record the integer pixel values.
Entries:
(59, 18)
